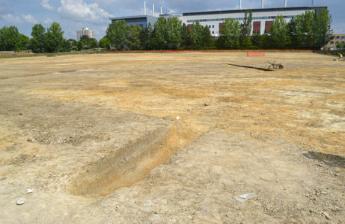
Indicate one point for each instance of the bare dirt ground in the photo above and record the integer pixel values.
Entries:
(172, 138)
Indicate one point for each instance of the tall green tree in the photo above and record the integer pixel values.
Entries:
(199, 36)
(230, 34)
(196, 36)
(23, 43)
(246, 28)
(167, 33)
(37, 42)
(186, 42)
(70, 45)
(104, 43)
(301, 30)
(280, 37)
(12, 40)
(160, 34)
(86, 43)
(146, 37)
(321, 28)
(54, 38)
(74, 44)
(66, 46)
(208, 41)
(117, 33)
(134, 42)
(174, 28)
(260, 41)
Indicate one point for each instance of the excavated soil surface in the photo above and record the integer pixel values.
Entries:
(172, 138)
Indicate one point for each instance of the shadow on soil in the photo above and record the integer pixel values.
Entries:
(328, 159)
(253, 67)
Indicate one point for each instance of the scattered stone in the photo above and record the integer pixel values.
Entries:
(336, 209)
(326, 215)
(29, 191)
(20, 201)
(276, 66)
(245, 197)
(206, 105)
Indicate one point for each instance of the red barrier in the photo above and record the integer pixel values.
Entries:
(256, 54)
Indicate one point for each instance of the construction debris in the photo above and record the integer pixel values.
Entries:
(245, 197)
(266, 67)
(20, 201)
(275, 66)
(340, 57)
(327, 216)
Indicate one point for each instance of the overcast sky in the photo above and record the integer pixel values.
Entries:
(74, 14)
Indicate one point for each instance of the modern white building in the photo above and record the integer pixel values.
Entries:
(84, 32)
(262, 18)
(142, 21)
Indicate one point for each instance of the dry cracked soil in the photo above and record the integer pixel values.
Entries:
(172, 138)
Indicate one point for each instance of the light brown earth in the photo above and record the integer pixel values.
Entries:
(172, 138)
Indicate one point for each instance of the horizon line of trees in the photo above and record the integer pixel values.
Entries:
(310, 30)
(43, 40)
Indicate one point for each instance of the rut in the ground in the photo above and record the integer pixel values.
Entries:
(129, 164)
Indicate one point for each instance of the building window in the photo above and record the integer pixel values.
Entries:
(240, 19)
(256, 27)
(221, 27)
(268, 26)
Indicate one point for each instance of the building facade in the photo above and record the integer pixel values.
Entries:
(84, 32)
(262, 18)
(143, 21)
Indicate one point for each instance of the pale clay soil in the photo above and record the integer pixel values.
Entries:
(172, 138)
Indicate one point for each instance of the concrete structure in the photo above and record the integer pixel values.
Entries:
(142, 21)
(262, 18)
(84, 32)
(335, 41)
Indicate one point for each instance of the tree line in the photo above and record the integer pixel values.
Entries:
(310, 30)
(43, 40)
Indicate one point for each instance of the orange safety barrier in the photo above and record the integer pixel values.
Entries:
(256, 54)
